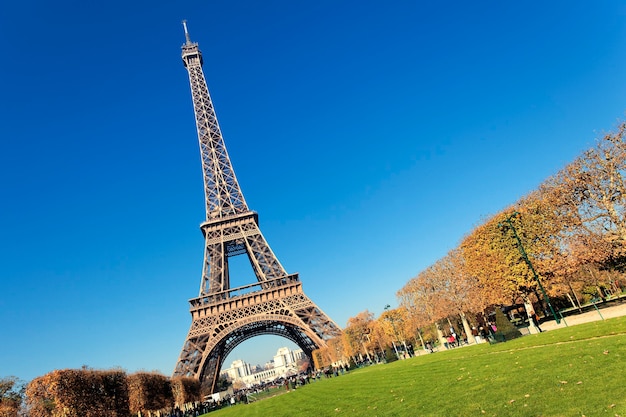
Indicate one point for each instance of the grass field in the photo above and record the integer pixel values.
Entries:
(575, 371)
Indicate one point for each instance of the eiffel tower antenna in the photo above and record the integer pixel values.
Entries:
(186, 33)
(223, 317)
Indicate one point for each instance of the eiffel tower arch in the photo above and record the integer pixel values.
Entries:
(223, 317)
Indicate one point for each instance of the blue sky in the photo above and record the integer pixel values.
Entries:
(369, 136)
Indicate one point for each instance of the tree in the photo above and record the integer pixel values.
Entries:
(587, 197)
(537, 232)
(11, 396)
(321, 358)
(494, 260)
(423, 297)
(377, 339)
(40, 397)
(185, 390)
(149, 391)
(113, 392)
(335, 349)
(79, 393)
(356, 333)
(604, 193)
(390, 355)
(222, 385)
(590, 193)
(460, 291)
(395, 325)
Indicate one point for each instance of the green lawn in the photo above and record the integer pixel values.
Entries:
(575, 371)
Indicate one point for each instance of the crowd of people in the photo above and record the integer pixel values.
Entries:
(481, 334)
(288, 383)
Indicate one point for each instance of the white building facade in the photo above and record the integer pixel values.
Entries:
(285, 364)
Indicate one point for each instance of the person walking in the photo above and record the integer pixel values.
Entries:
(475, 334)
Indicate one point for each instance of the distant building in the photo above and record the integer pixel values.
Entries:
(285, 357)
(284, 364)
(238, 370)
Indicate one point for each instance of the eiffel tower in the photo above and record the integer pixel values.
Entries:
(223, 317)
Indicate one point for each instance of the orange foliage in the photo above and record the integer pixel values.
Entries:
(572, 225)
(149, 392)
(185, 390)
(79, 393)
(355, 335)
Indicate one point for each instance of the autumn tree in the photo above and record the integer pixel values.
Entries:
(185, 390)
(603, 191)
(377, 338)
(394, 323)
(582, 249)
(79, 393)
(40, 396)
(540, 235)
(149, 391)
(494, 260)
(588, 195)
(321, 358)
(421, 297)
(355, 335)
(335, 349)
(113, 392)
(461, 292)
(11, 396)
(407, 328)
(589, 199)
(417, 329)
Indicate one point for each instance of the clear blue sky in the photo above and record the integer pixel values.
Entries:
(369, 136)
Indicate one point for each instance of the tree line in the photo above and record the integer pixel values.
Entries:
(96, 393)
(560, 246)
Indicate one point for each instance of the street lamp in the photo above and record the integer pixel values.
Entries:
(393, 325)
(527, 260)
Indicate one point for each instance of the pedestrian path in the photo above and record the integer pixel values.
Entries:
(589, 316)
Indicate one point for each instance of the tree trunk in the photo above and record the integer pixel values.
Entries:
(396, 349)
(467, 329)
(419, 333)
(600, 293)
(367, 352)
(571, 300)
(580, 308)
(406, 350)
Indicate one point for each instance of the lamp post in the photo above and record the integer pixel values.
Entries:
(530, 265)
(393, 325)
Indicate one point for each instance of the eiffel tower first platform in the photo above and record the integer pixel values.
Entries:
(223, 317)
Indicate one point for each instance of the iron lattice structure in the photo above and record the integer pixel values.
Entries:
(223, 317)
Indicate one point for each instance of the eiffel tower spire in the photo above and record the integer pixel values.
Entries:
(223, 196)
(223, 317)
